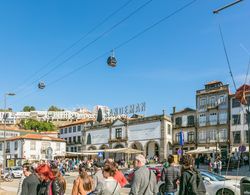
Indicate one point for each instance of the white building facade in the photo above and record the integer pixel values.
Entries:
(72, 134)
(33, 147)
(239, 126)
(152, 135)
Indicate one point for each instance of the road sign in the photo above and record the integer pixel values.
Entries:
(179, 151)
(100, 154)
(242, 148)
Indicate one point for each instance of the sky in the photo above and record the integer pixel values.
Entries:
(164, 66)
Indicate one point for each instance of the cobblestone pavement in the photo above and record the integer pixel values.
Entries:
(10, 188)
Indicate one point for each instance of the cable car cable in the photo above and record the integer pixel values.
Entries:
(125, 42)
(92, 42)
(73, 44)
(228, 63)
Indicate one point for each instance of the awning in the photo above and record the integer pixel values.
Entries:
(116, 150)
(203, 151)
(80, 153)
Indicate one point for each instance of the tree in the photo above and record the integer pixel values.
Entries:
(28, 108)
(54, 108)
(31, 124)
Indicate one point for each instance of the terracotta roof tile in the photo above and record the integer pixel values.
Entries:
(36, 137)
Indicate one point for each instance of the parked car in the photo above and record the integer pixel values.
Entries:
(215, 184)
(156, 170)
(15, 172)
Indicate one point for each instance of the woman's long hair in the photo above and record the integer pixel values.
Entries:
(57, 174)
(87, 181)
(46, 171)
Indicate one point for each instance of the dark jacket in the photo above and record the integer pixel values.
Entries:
(30, 184)
(186, 184)
(170, 175)
(57, 188)
(45, 187)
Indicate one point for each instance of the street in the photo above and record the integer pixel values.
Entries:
(10, 188)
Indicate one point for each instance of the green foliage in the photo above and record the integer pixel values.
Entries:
(54, 108)
(31, 124)
(28, 108)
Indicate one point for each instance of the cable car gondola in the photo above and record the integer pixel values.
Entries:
(41, 85)
(111, 61)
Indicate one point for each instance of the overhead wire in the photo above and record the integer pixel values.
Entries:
(93, 41)
(121, 44)
(76, 42)
(227, 58)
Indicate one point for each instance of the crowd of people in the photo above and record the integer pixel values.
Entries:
(47, 178)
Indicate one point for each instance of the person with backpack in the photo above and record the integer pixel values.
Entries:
(171, 177)
(191, 181)
(144, 180)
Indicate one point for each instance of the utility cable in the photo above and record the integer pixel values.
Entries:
(92, 42)
(75, 43)
(123, 43)
(228, 63)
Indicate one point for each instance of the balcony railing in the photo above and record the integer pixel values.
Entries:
(118, 139)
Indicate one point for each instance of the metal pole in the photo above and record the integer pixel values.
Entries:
(227, 6)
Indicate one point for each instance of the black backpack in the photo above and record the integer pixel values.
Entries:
(195, 184)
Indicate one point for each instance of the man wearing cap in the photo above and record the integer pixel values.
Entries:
(144, 180)
(98, 177)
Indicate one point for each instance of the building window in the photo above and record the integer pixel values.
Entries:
(32, 145)
(15, 145)
(79, 139)
(74, 139)
(72, 149)
(223, 118)
(236, 119)
(79, 149)
(169, 129)
(67, 149)
(74, 129)
(178, 121)
(202, 120)
(213, 118)
(70, 140)
(223, 135)
(190, 136)
(246, 136)
(118, 133)
(79, 128)
(236, 137)
(65, 130)
(190, 120)
(1, 146)
(89, 139)
(61, 131)
(177, 137)
(212, 101)
(70, 130)
(235, 103)
(66, 139)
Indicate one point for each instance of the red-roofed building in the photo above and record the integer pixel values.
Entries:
(33, 147)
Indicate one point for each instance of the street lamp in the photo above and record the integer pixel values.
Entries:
(4, 119)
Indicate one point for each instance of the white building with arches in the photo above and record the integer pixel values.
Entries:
(152, 135)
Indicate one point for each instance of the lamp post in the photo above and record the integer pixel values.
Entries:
(4, 131)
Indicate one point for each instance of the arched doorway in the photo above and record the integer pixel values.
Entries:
(137, 146)
(152, 149)
(91, 148)
(105, 155)
(118, 156)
